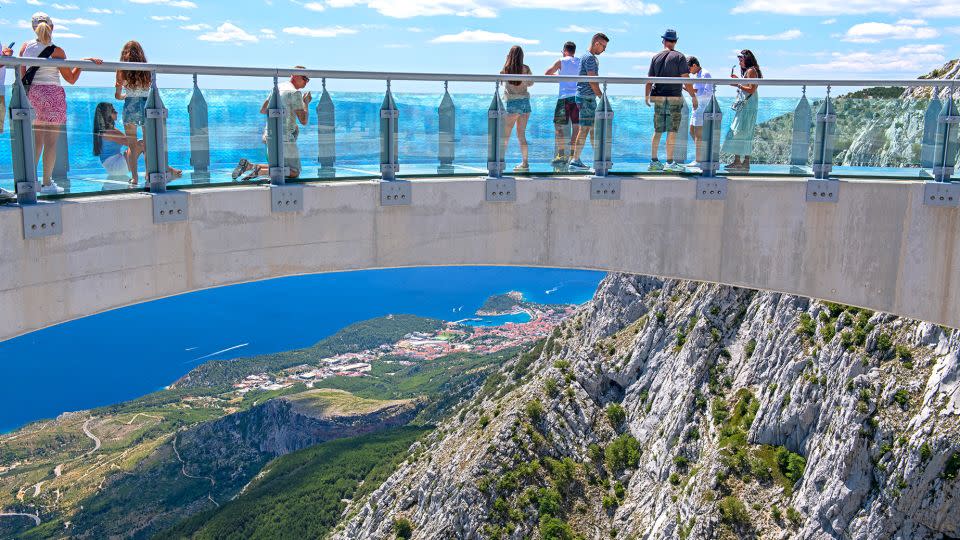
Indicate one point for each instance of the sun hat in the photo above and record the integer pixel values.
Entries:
(669, 35)
(40, 17)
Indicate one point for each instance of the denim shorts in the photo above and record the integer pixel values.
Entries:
(518, 106)
(134, 110)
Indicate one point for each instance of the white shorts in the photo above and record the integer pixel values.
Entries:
(696, 119)
(116, 165)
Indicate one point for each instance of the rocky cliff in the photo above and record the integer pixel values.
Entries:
(669, 409)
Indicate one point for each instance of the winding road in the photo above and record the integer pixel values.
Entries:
(183, 470)
(34, 517)
(86, 431)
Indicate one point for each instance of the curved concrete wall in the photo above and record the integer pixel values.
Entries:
(879, 247)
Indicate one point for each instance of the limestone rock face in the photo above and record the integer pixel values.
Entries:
(724, 390)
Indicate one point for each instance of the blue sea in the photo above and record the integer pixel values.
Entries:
(236, 127)
(125, 353)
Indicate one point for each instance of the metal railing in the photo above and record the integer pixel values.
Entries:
(940, 143)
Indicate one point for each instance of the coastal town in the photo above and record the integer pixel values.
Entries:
(453, 337)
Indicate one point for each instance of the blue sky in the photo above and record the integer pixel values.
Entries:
(792, 38)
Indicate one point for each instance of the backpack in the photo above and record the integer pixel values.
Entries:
(28, 76)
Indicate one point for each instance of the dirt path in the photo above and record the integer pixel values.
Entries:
(183, 470)
(86, 431)
(58, 471)
(34, 517)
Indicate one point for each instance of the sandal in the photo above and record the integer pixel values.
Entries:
(242, 166)
(251, 175)
(521, 168)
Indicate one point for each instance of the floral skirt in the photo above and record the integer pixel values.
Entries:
(49, 101)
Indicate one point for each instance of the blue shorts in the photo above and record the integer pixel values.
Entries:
(588, 109)
(518, 106)
(134, 110)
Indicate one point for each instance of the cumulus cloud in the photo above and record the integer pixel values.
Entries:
(872, 32)
(904, 60)
(483, 36)
(326, 32)
(229, 32)
(782, 36)
(924, 8)
(403, 9)
(186, 4)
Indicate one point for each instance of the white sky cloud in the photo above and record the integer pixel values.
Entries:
(782, 36)
(629, 54)
(403, 9)
(65, 7)
(910, 60)
(68, 35)
(229, 32)
(326, 32)
(575, 29)
(169, 18)
(186, 4)
(872, 32)
(483, 36)
(34, 2)
(101, 11)
(196, 27)
(925, 8)
(829, 21)
(79, 21)
(315, 6)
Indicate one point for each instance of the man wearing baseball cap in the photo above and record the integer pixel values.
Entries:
(667, 99)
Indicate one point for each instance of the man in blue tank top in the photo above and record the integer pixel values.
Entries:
(566, 114)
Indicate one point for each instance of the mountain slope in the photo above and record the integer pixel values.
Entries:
(668, 409)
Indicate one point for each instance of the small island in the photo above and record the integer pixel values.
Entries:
(510, 303)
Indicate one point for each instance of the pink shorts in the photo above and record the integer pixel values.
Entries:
(49, 101)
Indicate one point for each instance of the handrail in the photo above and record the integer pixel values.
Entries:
(232, 71)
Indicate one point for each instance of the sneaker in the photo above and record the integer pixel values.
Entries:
(577, 164)
(656, 166)
(673, 166)
(560, 159)
(521, 168)
(692, 164)
(6, 196)
(52, 189)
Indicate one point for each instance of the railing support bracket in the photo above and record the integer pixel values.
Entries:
(711, 189)
(286, 198)
(604, 188)
(41, 219)
(823, 190)
(941, 194)
(395, 193)
(502, 189)
(170, 206)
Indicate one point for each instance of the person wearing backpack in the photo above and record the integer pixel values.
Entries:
(46, 95)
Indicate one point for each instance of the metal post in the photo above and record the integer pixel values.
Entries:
(62, 166)
(603, 129)
(800, 145)
(945, 156)
(275, 118)
(199, 134)
(155, 140)
(708, 156)
(495, 113)
(929, 143)
(389, 118)
(824, 139)
(326, 132)
(446, 131)
(683, 135)
(21, 145)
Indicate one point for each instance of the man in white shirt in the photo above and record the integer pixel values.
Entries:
(566, 115)
(5, 51)
(704, 94)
